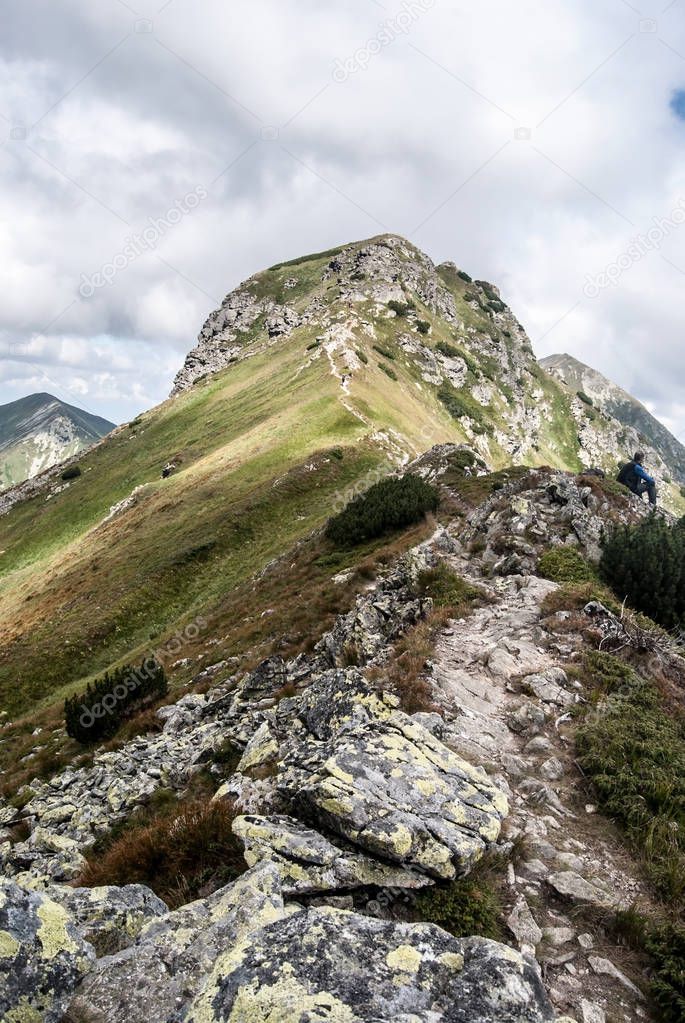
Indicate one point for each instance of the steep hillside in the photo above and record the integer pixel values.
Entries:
(314, 377)
(643, 429)
(39, 431)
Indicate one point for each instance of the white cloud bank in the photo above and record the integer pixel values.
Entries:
(530, 143)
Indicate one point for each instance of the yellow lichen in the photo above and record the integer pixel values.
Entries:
(452, 960)
(52, 932)
(405, 958)
(9, 946)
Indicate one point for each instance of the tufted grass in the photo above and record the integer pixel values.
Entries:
(185, 851)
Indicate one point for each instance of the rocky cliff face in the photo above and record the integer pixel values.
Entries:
(460, 343)
(641, 427)
(348, 806)
(40, 431)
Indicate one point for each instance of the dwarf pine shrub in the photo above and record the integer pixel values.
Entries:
(390, 504)
(98, 712)
(645, 565)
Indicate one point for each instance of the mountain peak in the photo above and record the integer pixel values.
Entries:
(39, 431)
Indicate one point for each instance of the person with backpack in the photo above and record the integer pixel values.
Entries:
(634, 476)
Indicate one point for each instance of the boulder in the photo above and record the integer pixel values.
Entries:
(309, 862)
(329, 964)
(394, 790)
(42, 956)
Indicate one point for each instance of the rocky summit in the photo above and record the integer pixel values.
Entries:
(428, 770)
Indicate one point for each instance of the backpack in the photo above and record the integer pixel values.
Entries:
(627, 476)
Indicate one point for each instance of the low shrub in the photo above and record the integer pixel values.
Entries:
(362, 356)
(423, 326)
(186, 850)
(449, 589)
(584, 398)
(400, 309)
(645, 564)
(633, 751)
(565, 565)
(388, 370)
(72, 472)
(390, 504)
(385, 352)
(314, 344)
(666, 946)
(98, 712)
(465, 907)
(445, 348)
(464, 276)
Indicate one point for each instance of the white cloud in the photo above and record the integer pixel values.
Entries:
(422, 142)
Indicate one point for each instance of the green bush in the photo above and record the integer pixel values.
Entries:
(423, 326)
(463, 908)
(400, 309)
(448, 589)
(634, 753)
(390, 504)
(388, 370)
(565, 565)
(445, 348)
(584, 398)
(645, 564)
(98, 712)
(464, 276)
(314, 344)
(385, 352)
(72, 472)
(362, 356)
(460, 404)
(666, 945)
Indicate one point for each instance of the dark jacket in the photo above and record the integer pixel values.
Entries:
(631, 474)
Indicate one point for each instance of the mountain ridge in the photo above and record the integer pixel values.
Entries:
(39, 431)
(620, 404)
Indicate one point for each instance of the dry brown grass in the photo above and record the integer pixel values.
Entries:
(187, 851)
(405, 674)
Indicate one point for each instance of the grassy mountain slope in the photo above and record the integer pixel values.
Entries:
(39, 431)
(310, 376)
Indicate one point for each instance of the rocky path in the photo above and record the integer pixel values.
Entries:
(506, 698)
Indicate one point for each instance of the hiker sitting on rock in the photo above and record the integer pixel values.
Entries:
(633, 476)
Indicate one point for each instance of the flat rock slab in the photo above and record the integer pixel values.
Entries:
(393, 789)
(309, 862)
(331, 965)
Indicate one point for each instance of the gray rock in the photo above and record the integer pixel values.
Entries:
(394, 790)
(309, 862)
(328, 964)
(42, 956)
(571, 885)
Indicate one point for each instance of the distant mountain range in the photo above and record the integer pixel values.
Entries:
(614, 401)
(39, 431)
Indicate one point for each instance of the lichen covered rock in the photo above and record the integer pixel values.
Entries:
(397, 792)
(42, 956)
(330, 965)
(310, 862)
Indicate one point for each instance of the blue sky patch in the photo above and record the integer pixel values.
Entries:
(678, 103)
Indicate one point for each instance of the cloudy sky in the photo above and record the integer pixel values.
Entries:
(155, 153)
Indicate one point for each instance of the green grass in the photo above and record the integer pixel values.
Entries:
(633, 750)
(565, 565)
